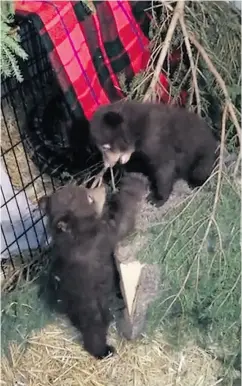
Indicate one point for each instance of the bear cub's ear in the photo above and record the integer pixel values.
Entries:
(112, 119)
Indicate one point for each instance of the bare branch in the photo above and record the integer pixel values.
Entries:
(176, 15)
(220, 81)
(193, 68)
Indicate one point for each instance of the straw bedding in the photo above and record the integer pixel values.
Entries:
(53, 357)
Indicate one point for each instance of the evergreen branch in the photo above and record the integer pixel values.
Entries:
(12, 63)
(14, 46)
(220, 81)
(11, 49)
(5, 65)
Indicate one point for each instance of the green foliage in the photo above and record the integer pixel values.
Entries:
(22, 312)
(200, 267)
(10, 47)
(217, 25)
(23, 302)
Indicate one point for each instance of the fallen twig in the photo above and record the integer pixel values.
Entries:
(220, 166)
(193, 68)
(112, 180)
(98, 179)
(238, 163)
(220, 81)
(192, 90)
(176, 15)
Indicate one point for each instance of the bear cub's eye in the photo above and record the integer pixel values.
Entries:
(106, 147)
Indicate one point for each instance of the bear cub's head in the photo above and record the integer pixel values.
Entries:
(71, 206)
(111, 135)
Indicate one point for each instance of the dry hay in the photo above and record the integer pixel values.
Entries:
(53, 357)
(19, 165)
(11, 271)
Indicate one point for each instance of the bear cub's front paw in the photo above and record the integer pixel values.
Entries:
(109, 352)
(137, 181)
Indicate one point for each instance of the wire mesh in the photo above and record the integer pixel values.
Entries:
(21, 222)
(43, 146)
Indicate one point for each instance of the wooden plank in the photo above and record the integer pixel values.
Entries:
(130, 276)
(139, 285)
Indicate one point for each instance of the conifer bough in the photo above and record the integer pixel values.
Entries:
(11, 49)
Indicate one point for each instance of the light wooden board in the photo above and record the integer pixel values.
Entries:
(130, 276)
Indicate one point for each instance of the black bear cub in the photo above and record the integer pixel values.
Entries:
(174, 142)
(85, 231)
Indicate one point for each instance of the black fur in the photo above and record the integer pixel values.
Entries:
(176, 143)
(113, 119)
(83, 247)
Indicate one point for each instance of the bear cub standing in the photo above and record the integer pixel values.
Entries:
(85, 233)
(176, 143)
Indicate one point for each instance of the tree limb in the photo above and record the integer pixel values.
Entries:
(193, 68)
(220, 81)
(176, 15)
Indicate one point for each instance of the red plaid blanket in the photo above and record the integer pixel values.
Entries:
(89, 50)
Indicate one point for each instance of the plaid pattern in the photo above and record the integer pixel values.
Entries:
(88, 51)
